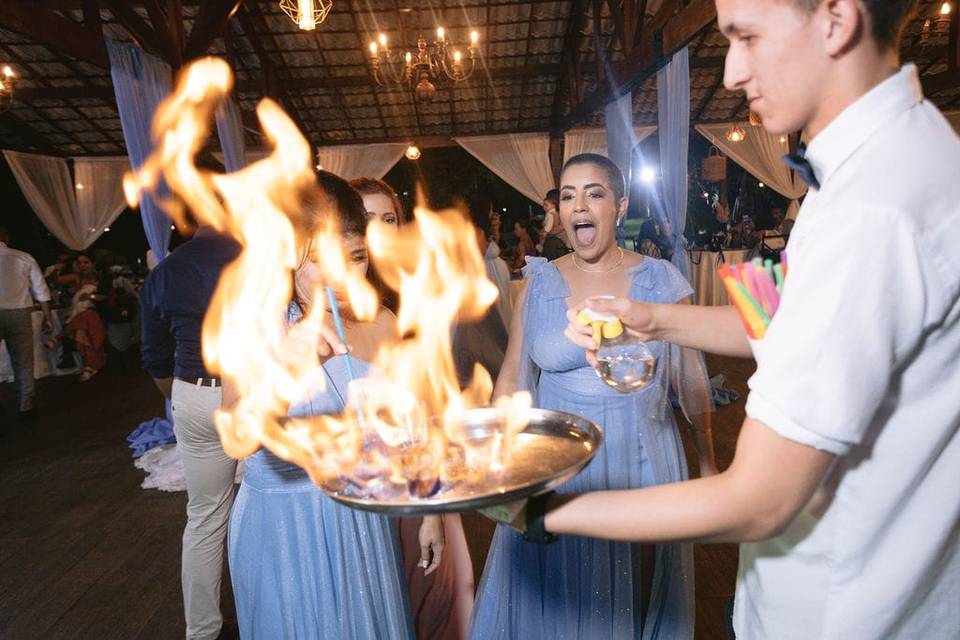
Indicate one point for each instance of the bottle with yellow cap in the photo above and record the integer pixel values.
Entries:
(626, 364)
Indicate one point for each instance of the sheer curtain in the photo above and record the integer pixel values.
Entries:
(761, 153)
(620, 138)
(673, 101)
(351, 161)
(141, 81)
(230, 132)
(75, 210)
(594, 140)
(522, 160)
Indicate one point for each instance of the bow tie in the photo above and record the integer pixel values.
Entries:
(799, 163)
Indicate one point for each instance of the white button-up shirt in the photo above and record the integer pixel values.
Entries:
(863, 360)
(20, 276)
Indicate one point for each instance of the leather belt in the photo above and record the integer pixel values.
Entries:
(213, 383)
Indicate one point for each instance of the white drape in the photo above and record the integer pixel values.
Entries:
(761, 153)
(619, 125)
(594, 140)
(953, 117)
(75, 210)
(351, 161)
(673, 108)
(522, 160)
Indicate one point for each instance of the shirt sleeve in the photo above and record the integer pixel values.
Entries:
(856, 303)
(38, 286)
(157, 344)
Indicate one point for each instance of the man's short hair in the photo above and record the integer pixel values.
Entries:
(888, 18)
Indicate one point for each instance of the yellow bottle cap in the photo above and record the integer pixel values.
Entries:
(589, 316)
(613, 329)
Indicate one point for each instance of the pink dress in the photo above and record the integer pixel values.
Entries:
(441, 602)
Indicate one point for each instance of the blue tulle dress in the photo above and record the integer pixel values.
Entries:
(304, 566)
(579, 587)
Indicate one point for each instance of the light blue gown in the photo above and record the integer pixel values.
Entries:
(304, 566)
(578, 587)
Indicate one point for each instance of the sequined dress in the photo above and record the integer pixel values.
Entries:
(302, 565)
(579, 587)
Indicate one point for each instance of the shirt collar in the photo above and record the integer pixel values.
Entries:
(858, 122)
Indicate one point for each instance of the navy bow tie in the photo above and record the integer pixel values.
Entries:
(799, 163)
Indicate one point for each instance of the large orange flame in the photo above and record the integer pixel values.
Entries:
(411, 408)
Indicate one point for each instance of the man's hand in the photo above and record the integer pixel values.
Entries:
(637, 319)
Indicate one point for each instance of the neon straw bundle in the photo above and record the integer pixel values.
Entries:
(755, 288)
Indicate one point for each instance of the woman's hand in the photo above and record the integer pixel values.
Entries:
(637, 319)
(431, 543)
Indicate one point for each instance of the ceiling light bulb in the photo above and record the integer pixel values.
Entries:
(474, 36)
(383, 40)
(373, 48)
(306, 17)
(412, 152)
(7, 71)
(945, 9)
(408, 57)
(440, 33)
(456, 57)
(79, 185)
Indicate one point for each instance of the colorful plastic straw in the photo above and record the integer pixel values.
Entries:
(755, 288)
(338, 323)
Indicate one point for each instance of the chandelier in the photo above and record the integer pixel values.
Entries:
(307, 14)
(7, 81)
(438, 61)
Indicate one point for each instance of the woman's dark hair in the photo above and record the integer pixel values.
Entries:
(553, 196)
(648, 231)
(372, 186)
(332, 196)
(887, 18)
(478, 207)
(608, 166)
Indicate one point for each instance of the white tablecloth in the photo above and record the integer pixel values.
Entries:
(44, 362)
(707, 286)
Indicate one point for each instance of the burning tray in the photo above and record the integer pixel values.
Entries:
(553, 448)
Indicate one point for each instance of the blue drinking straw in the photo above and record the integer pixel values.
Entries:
(338, 323)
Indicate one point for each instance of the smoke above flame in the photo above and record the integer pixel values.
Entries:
(402, 425)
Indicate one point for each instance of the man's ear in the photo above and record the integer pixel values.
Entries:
(844, 24)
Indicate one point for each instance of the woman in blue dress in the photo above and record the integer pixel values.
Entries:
(302, 565)
(580, 587)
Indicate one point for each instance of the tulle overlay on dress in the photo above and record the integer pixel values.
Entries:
(580, 587)
(304, 566)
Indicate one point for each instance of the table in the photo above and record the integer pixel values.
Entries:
(44, 362)
(708, 289)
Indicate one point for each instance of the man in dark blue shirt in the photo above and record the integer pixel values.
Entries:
(174, 301)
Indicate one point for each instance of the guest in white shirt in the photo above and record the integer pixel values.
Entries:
(845, 488)
(21, 282)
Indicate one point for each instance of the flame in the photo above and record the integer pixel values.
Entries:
(402, 427)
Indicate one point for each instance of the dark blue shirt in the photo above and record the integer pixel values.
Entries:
(174, 300)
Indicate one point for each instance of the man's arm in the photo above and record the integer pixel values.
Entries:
(711, 329)
(770, 481)
(157, 346)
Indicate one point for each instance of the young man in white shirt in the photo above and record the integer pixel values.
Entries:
(21, 282)
(845, 488)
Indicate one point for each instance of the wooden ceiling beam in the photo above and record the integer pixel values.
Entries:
(165, 33)
(209, 25)
(271, 80)
(652, 51)
(566, 86)
(143, 34)
(54, 31)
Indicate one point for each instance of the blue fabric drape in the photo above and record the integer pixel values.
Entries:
(673, 98)
(141, 82)
(230, 131)
(621, 139)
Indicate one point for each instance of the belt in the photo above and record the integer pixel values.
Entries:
(213, 383)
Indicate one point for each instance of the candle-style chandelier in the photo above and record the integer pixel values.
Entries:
(307, 14)
(435, 62)
(7, 85)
